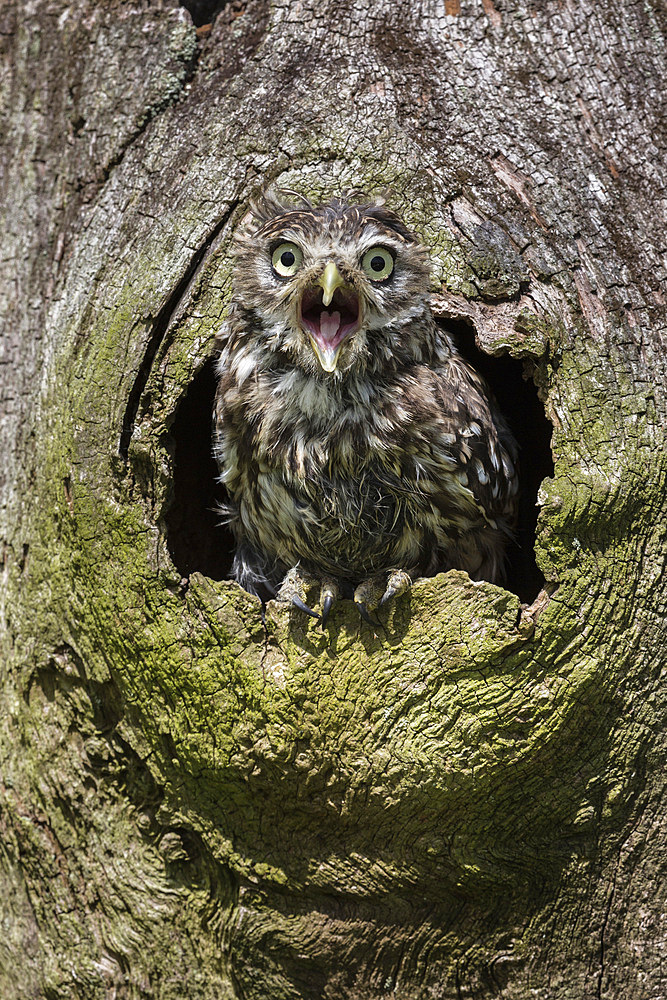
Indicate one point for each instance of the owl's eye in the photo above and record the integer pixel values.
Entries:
(286, 259)
(378, 263)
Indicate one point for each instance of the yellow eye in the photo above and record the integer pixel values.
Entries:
(378, 263)
(286, 259)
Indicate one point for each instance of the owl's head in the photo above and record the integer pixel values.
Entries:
(334, 287)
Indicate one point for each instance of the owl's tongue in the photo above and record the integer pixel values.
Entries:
(329, 327)
(327, 337)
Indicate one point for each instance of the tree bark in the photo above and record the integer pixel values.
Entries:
(468, 804)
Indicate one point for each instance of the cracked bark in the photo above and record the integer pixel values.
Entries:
(471, 805)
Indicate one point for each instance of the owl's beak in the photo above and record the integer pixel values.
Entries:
(331, 280)
(328, 329)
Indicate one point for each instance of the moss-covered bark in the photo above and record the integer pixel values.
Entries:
(465, 805)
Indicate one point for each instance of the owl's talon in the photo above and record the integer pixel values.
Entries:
(302, 606)
(327, 605)
(368, 593)
(363, 611)
(329, 594)
(399, 581)
(293, 590)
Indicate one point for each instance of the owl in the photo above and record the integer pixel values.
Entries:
(357, 447)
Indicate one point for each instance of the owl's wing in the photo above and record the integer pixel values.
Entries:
(479, 440)
(218, 424)
(224, 435)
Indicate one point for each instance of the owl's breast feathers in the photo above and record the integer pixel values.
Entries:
(414, 469)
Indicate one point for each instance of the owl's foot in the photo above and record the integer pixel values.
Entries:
(377, 590)
(370, 595)
(399, 581)
(293, 590)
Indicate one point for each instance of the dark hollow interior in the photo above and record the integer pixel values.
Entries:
(519, 403)
(196, 536)
(198, 541)
(203, 11)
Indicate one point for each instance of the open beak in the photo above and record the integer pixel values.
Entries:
(329, 316)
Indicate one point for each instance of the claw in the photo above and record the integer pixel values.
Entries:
(302, 606)
(328, 595)
(388, 594)
(376, 626)
(327, 605)
(363, 611)
(397, 584)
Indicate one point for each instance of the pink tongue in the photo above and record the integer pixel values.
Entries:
(329, 324)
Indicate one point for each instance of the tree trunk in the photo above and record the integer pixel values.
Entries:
(193, 805)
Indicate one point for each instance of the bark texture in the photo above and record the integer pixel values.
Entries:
(469, 804)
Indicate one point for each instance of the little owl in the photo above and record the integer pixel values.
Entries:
(357, 447)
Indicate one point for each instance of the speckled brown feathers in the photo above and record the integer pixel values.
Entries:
(353, 440)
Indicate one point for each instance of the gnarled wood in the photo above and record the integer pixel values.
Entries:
(468, 804)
